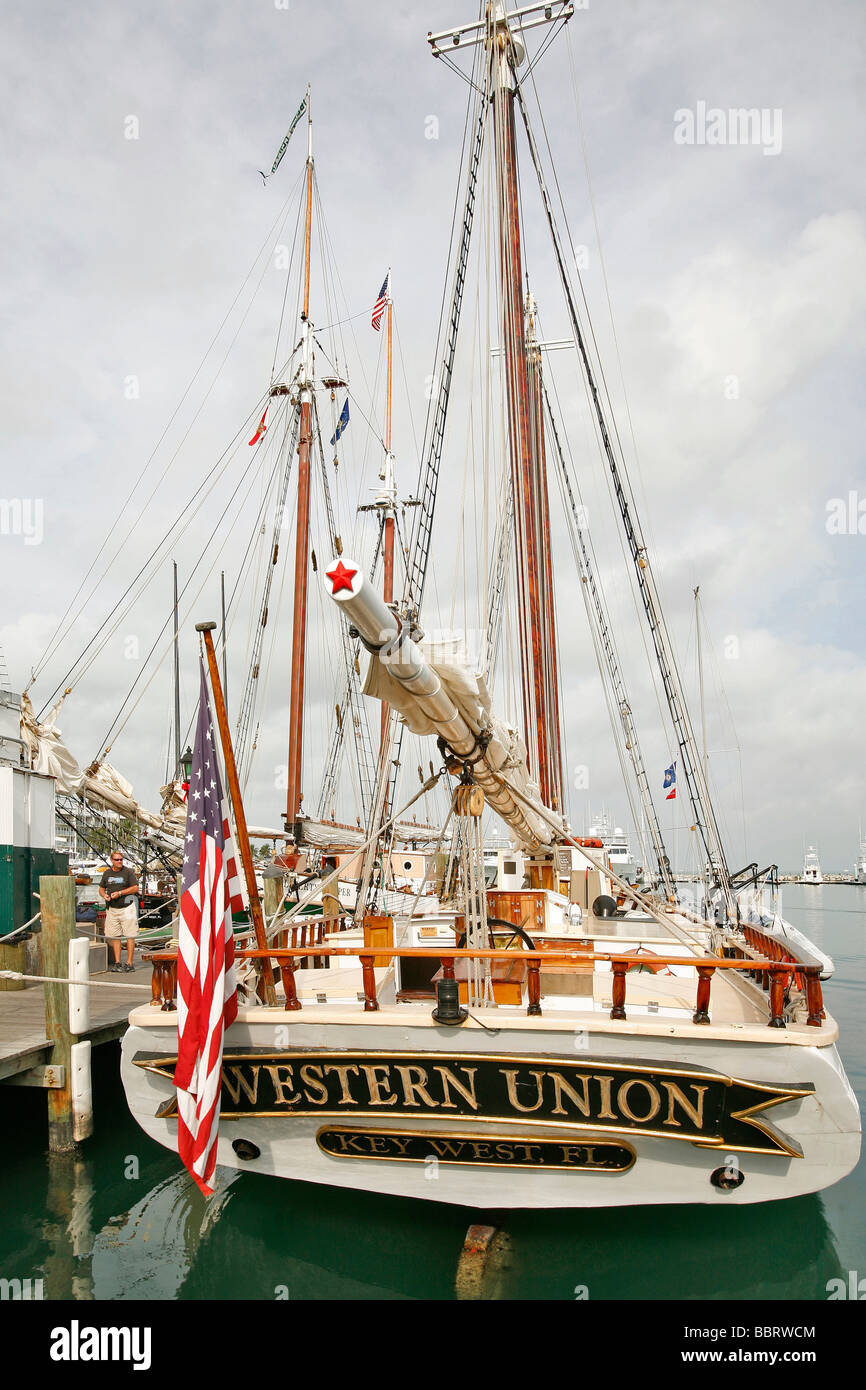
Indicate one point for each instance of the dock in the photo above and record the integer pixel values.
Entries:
(24, 1043)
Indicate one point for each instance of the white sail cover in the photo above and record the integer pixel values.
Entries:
(505, 753)
(100, 783)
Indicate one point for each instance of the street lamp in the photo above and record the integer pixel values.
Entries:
(186, 763)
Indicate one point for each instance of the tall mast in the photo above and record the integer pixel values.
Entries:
(701, 684)
(540, 697)
(302, 537)
(176, 682)
(387, 498)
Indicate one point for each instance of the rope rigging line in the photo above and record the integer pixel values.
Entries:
(56, 638)
(704, 815)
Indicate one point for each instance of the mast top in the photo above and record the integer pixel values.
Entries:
(515, 21)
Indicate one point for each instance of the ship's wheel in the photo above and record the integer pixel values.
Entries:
(503, 936)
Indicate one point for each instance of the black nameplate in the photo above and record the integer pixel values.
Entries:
(692, 1104)
(476, 1150)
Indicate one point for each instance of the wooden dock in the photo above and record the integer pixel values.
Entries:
(24, 1043)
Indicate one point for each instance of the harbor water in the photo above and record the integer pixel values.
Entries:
(122, 1220)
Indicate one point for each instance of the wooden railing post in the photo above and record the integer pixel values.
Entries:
(287, 967)
(814, 997)
(620, 970)
(778, 980)
(534, 988)
(702, 1003)
(371, 1003)
(447, 967)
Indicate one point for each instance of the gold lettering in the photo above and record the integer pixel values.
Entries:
(505, 1152)
(377, 1144)
(374, 1084)
(311, 1077)
(678, 1097)
(411, 1087)
(511, 1083)
(282, 1085)
(402, 1143)
(481, 1150)
(444, 1148)
(449, 1080)
(348, 1143)
(343, 1072)
(560, 1086)
(573, 1153)
(527, 1152)
(654, 1100)
(249, 1088)
(604, 1085)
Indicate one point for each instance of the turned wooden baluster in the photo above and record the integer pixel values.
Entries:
(778, 982)
(155, 983)
(534, 987)
(620, 970)
(814, 997)
(288, 976)
(447, 967)
(371, 1003)
(702, 1004)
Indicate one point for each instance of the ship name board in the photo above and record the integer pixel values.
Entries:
(692, 1104)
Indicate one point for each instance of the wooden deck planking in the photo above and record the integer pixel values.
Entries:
(23, 1041)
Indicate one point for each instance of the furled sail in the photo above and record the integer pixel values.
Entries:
(436, 691)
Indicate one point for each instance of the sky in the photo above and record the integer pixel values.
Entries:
(726, 285)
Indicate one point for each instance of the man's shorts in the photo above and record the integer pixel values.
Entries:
(121, 921)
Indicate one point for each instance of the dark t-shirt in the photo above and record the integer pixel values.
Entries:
(114, 879)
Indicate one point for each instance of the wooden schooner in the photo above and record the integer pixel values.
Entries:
(550, 1036)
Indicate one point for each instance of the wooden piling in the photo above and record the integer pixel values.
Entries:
(57, 903)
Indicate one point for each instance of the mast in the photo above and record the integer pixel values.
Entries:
(701, 684)
(537, 639)
(223, 608)
(302, 535)
(176, 682)
(386, 499)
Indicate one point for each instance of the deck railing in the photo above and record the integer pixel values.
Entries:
(773, 974)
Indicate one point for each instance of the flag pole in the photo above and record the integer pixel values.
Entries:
(243, 838)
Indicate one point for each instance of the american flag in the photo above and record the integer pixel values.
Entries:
(207, 1001)
(379, 306)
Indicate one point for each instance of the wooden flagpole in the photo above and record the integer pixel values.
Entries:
(243, 839)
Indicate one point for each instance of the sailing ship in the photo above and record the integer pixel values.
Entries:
(556, 1038)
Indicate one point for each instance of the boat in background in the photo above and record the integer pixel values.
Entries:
(616, 846)
(811, 867)
(860, 865)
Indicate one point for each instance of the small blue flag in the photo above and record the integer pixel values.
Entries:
(671, 781)
(341, 423)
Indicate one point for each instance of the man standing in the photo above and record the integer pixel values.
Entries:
(119, 888)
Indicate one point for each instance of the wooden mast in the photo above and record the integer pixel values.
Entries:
(534, 589)
(302, 536)
(388, 530)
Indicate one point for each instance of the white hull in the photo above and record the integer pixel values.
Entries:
(824, 1126)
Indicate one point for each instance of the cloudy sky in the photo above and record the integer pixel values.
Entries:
(134, 216)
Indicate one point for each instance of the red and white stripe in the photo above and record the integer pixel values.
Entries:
(206, 1006)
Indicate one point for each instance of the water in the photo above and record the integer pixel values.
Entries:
(122, 1220)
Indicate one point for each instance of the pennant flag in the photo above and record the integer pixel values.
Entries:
(262, 429)
(671, 781)
(207, 1001)
(341, 423)
(379, 306)
(285, 145)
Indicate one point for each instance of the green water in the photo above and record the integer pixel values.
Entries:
(122, 1220)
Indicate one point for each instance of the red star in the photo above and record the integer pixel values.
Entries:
(340, 577)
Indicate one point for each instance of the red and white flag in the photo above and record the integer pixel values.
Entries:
(262, 429)
(207, 1001)
(379, 306)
